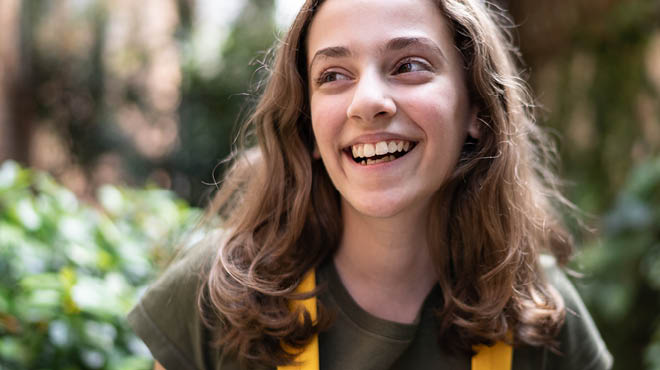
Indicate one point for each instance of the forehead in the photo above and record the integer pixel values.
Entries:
(358, 24)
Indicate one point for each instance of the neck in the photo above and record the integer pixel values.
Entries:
(385, 263)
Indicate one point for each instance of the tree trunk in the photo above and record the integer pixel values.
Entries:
(15, 112)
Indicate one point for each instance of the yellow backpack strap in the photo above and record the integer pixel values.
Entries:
(308, 359)
(495, 357)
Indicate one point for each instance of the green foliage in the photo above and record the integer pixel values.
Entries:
(623, 285)
(69, 272)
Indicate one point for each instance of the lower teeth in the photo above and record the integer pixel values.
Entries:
(367, 162)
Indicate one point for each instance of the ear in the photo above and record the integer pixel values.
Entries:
(315, 153)
(474, 127)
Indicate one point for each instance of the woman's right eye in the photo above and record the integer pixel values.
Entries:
(330, 76)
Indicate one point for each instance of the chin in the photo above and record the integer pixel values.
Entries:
(375, 206)
(377, 211)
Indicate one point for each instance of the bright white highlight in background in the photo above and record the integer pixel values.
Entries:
(212, 25)
(285, 12)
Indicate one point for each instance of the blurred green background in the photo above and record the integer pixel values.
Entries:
(116, 113)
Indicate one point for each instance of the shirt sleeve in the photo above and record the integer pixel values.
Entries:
(167, 319)
(581, 345)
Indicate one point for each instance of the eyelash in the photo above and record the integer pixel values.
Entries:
(321, 79)
(425, 67)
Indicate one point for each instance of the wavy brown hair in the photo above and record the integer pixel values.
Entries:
(283, 213)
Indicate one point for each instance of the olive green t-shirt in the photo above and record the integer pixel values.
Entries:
(167, 320)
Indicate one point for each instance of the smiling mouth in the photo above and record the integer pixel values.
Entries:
(380, 152)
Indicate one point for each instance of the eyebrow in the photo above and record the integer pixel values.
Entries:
(401, 43)
(398, 43)
(331, 52)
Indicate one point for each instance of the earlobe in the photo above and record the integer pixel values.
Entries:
(315, 153)
(474, 128)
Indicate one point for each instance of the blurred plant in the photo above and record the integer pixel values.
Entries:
(69, 272)
(623, 285)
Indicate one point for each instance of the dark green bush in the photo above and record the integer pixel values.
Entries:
(622, 285)
(69, 271)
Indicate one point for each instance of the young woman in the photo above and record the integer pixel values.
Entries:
(397, 159)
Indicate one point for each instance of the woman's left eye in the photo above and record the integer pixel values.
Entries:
(411, 66)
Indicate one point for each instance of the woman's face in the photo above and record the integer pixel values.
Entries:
(389, 104)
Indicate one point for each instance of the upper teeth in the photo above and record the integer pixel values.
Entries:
(379, 148)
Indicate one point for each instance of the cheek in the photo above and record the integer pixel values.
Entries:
(440, 106)
(328, 117)
(442, 116)
(434, 113)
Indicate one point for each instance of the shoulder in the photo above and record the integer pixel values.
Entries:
(167, 318)
(580, 343)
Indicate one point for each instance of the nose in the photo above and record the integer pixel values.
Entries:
(371, 99)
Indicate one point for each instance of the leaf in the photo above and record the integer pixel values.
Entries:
(645, 179)
(8, 174)
(630, 213)
(100, 334)
(48, 280)
(27, 215)
(11, 349)
(60, 333)
(652, 356)
(111, 199)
